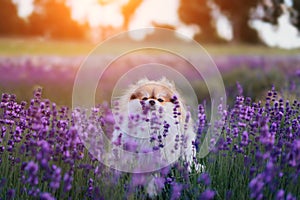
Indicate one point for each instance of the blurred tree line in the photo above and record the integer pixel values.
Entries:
(52, 18)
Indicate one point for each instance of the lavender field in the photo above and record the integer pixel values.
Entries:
(55, 74)
(256, 157)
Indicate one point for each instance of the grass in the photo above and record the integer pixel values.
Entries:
(41, 46)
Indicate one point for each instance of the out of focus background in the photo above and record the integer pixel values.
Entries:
(44, 42)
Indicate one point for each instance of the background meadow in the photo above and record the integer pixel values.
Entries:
(42, 156)
(42, 48)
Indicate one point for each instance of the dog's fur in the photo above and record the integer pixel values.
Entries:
(161, 98)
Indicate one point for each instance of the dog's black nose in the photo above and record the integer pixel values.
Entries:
(152, 102)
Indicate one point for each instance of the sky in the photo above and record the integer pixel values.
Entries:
(109, 14)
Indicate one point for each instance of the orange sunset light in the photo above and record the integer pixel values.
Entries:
(98, 12)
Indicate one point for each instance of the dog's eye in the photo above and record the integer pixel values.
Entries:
(132, 97)
(160, 100)
(145, 98)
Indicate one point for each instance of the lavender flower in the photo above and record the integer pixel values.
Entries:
(46, 196)
(204, 178)
(159, 183)
(138, 180)
(176, 190)
(207, 194)
(11, 194)
(68, 178)
(56, 177)
(32, 169)
(280, 195)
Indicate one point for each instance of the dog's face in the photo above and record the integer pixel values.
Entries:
(153, 95)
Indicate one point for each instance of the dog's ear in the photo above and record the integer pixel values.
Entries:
(142, 81)
(132, 87)
(168, 83)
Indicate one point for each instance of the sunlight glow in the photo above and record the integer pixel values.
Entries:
(158, 12)
(224, 28)
(289, 3)
(96, 14)
(283, 35)
(222, 23)
(25, 7)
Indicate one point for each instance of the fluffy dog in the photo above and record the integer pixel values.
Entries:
(152, 116)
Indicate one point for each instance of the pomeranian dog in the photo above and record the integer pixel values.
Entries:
(152, 115)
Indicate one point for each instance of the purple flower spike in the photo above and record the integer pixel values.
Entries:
(46, 196)
(290, 197)
(68, 178)
(240, 89)
(56, 177)
(207, 194)
(256, 187)
(245, 137)
(205, 178)
(160, 183)
(11, 194)
(176, 190)
(138, 180)
(280, 195)
(32, 168)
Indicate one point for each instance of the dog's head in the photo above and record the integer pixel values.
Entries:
(150, 95)
(153, 93)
